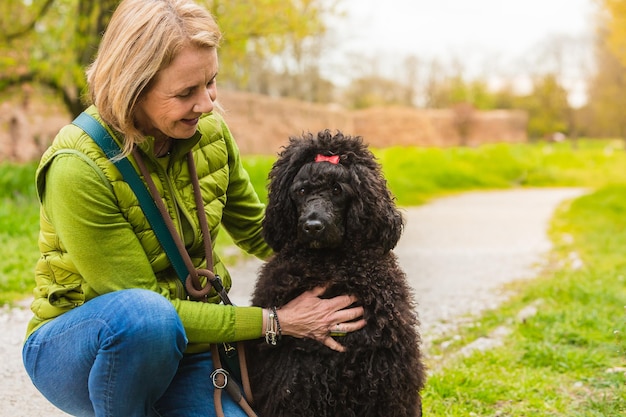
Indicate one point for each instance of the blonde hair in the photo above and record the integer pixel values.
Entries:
(143, 37)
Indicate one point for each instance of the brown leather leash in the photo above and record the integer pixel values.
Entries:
(221, 378)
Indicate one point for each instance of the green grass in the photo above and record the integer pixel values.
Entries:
(19, 226)
(554, 363)
(415, 175)
(558, 362)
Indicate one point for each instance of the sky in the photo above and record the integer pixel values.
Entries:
(479, 32)
(439, 26)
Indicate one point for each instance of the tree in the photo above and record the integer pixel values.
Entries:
(547, 106)
(450, 91)
(607, 94)
(369, 87)
(505, 97)
(63, 36)
(282, 31)
(374, 90)
(17, 18)
(299, 62)
(616, 23)
(410, 72)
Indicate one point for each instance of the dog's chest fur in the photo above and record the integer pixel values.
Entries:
(303, 371)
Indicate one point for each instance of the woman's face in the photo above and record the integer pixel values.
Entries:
(179, 94)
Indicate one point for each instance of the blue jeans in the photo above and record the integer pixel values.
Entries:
(121, 354)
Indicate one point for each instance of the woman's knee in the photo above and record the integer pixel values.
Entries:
(147, 317)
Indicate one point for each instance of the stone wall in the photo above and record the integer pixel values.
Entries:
(263, 124)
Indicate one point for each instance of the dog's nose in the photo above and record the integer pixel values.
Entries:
(313, 227)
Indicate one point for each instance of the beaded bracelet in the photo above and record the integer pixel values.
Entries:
(279, 331)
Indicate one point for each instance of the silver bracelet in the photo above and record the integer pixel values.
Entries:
(273, 331)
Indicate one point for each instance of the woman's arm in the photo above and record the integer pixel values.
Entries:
(98, 239)
(106, 252)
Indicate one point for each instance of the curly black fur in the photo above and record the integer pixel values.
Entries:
(334, 225)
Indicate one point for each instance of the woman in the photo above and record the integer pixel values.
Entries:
(114, 333)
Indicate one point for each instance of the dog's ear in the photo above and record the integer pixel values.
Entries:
(280, 214)
(373, 213)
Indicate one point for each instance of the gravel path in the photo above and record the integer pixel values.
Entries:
(457, 252)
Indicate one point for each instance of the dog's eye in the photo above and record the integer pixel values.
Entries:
(301, 191)
(337, 189)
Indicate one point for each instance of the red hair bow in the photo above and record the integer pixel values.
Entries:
(333, 159)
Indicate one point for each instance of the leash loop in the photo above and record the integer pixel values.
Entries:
(215, 377)
(193, 286)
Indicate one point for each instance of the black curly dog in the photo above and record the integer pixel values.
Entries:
(332, 222)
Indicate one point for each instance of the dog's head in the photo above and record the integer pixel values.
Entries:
(327, 192)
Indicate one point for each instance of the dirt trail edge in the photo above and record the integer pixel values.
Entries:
(457, 251)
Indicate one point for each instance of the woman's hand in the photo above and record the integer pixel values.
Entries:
(310, 316)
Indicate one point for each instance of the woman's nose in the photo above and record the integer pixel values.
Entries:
(204, 104)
